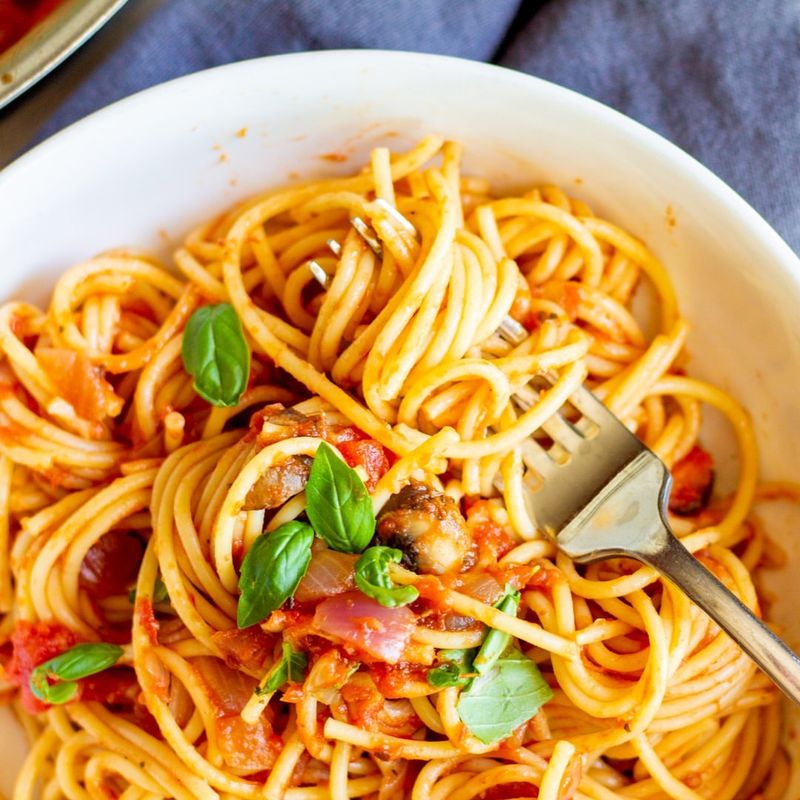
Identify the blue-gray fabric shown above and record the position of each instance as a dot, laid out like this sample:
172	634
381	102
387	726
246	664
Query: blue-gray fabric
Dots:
720	79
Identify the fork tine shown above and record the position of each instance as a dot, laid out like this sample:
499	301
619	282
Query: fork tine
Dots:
557	428
321	277
396	215
367	234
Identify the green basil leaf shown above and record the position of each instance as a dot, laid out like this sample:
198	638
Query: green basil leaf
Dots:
372	577
496	642
505	697
338	504
455	671
55	680
216	355
291	667
271	571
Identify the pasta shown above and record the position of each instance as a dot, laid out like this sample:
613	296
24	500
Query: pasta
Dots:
264	531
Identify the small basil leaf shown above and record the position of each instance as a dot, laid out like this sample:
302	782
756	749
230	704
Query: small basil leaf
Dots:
54	681
455	671
338	504
372	577
446	675
216	355
505	697
291	667
496	642
271	571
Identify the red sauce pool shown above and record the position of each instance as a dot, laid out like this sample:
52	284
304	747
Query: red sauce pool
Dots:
17	17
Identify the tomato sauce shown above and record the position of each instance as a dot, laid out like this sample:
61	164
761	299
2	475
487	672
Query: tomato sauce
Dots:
147	617
492	541
115	687
17	17
32	644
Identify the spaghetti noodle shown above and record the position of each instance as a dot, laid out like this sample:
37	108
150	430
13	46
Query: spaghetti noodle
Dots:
135	511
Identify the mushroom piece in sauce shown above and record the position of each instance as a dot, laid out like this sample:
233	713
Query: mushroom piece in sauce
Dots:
427	526
280	482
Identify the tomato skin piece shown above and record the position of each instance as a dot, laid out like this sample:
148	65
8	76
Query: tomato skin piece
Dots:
111	564
32	644
370	455
692	482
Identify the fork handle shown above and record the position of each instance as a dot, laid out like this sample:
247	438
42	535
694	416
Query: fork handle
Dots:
770	652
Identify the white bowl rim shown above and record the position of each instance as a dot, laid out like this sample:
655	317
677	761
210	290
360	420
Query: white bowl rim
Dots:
690	169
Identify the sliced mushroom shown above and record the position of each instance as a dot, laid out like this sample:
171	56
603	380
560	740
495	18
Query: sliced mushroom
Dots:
428	527
280	482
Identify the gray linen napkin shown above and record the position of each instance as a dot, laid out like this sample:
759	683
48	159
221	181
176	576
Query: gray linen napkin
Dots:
720	79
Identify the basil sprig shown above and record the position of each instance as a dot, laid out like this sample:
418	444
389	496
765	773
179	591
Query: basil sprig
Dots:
216	355
271	570
55	681
496	642
503	698
372	577
291	667
338	504
455	671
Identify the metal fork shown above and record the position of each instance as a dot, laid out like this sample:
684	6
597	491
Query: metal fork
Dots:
604	494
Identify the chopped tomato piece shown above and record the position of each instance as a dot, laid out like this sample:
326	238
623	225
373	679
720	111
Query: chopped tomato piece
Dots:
111	564
248	648
492	540
247	747
543	577
370	455
32	644
516	575
364	702
80	383
692	482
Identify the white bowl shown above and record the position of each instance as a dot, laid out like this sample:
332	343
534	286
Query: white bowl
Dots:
144	170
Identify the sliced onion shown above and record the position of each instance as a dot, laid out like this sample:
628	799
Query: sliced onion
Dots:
180	702
228	689
329	573
356	619
482	586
